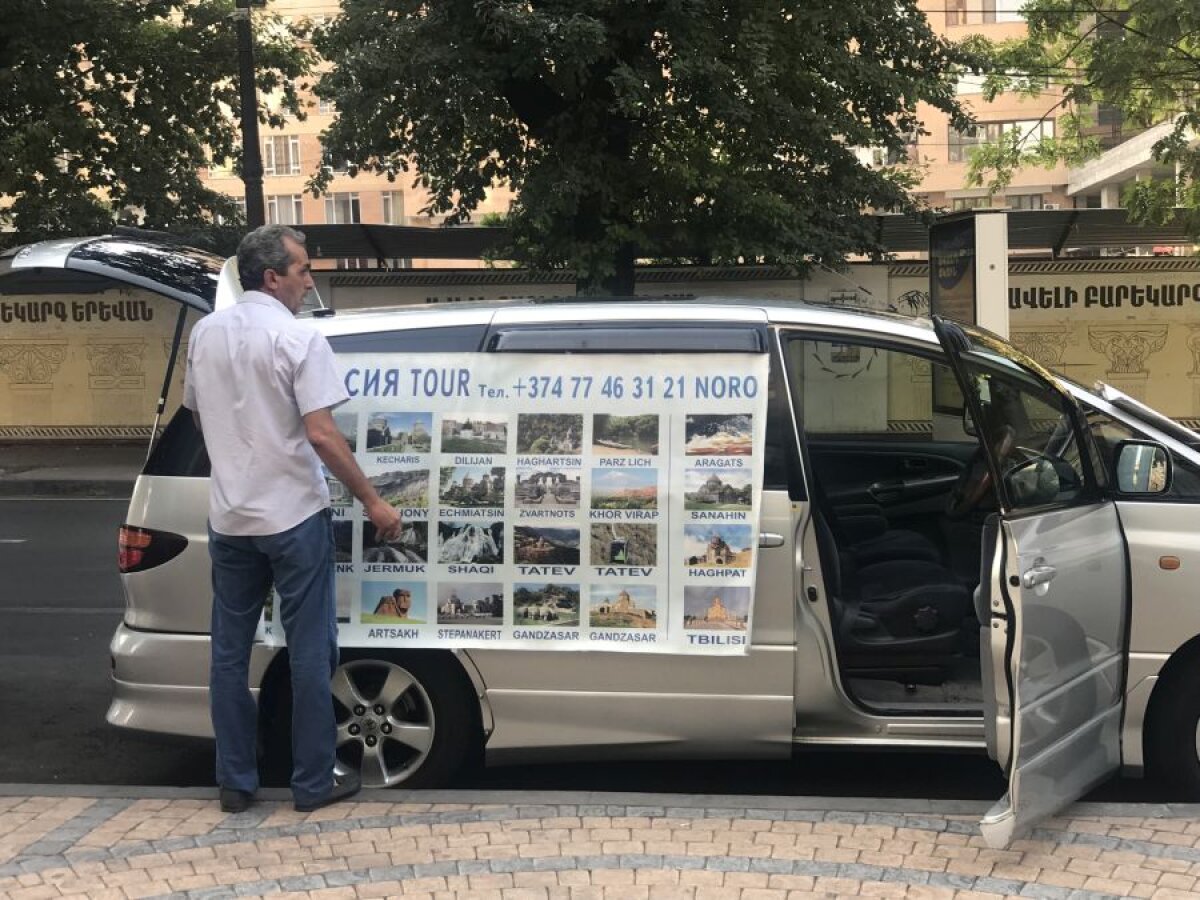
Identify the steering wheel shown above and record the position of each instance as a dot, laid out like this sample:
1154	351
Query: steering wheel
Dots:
975	482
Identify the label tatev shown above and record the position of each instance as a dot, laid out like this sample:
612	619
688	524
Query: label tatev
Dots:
552	501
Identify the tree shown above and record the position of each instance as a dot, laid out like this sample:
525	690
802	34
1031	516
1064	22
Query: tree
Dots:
1139	57
111	104
711	130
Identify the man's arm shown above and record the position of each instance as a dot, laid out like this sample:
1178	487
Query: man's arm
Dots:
333	450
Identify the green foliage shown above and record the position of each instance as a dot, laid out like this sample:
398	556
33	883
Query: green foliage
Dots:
713	130
1141	57
111	104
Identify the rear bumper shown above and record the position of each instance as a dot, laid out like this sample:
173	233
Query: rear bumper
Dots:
160	681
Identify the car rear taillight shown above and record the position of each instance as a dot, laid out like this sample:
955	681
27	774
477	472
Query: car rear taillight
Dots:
144	548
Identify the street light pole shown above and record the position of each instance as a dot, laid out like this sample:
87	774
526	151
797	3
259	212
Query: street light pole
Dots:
252	167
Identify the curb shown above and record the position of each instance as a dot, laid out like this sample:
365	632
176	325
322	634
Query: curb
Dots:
109	489
746	804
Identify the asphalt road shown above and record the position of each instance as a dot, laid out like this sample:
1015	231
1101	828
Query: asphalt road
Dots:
60	600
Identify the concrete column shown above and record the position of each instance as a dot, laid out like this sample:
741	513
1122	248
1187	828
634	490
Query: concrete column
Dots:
991	272
1110	196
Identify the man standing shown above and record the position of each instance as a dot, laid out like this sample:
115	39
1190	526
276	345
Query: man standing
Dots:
262	386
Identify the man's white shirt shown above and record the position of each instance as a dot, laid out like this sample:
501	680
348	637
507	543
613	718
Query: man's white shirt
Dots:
253	373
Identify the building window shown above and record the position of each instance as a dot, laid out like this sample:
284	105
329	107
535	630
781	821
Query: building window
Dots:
983	12
969	84
962	141
241	205
960	203
281	155
340	166
1008	10
1024	201
393	207
325	107
220	168
342	209
1030	131
285	209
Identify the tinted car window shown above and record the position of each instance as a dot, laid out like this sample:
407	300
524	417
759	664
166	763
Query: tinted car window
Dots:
1107	432
630	337
781	469
180	451
449	339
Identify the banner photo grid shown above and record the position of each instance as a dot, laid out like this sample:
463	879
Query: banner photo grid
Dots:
564	502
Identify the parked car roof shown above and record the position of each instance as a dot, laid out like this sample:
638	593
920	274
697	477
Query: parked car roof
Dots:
588	310
185	274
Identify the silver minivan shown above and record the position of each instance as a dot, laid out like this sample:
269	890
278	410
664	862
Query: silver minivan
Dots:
958	550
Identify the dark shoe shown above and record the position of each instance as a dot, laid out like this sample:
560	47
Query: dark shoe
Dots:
344	786
235	801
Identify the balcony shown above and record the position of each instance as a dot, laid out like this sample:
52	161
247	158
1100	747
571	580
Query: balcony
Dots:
1122	163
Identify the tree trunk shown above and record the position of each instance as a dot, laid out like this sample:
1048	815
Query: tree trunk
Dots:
619	284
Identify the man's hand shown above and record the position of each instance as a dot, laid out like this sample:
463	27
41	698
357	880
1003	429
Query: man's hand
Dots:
333	450
386	520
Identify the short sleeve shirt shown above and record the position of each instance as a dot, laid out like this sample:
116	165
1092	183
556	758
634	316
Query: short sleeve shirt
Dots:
253	372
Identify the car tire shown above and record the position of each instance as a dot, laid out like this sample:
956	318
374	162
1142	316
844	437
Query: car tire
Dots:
404	719
1174	734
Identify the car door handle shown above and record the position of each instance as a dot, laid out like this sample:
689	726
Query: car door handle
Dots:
769	539
883	491
1037	574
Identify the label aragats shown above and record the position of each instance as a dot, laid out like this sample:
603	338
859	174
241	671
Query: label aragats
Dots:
598	502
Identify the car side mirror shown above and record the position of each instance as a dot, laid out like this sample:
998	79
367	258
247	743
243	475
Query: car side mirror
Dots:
1143	467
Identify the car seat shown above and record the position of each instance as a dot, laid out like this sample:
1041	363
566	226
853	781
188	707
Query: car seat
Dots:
862	530
899	619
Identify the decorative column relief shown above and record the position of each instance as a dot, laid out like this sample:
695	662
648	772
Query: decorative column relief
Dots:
1046	345
31	365
1193	345
1127	349
117	365
920	370
910	394
117	379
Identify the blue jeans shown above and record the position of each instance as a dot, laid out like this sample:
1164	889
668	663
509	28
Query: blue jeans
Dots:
299	562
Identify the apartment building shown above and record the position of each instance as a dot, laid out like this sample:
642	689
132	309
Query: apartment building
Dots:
943	153
292	154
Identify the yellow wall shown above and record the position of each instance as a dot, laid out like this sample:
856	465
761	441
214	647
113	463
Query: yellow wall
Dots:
71	367
1097	320
85	365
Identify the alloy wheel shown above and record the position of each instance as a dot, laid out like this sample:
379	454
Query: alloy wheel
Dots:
385	721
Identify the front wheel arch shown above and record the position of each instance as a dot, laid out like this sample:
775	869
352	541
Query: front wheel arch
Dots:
441	679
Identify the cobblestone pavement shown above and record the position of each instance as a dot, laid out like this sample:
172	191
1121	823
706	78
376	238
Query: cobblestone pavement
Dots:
127	843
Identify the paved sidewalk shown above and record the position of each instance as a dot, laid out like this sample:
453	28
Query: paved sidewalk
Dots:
55	469
122	842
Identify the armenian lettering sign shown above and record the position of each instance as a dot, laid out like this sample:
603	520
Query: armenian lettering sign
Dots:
590	502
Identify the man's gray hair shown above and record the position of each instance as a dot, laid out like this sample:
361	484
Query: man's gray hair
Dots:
262	249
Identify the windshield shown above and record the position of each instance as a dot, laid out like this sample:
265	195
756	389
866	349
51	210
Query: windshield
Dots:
1135	409
1147	414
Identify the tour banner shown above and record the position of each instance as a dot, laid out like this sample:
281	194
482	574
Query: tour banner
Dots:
588	502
